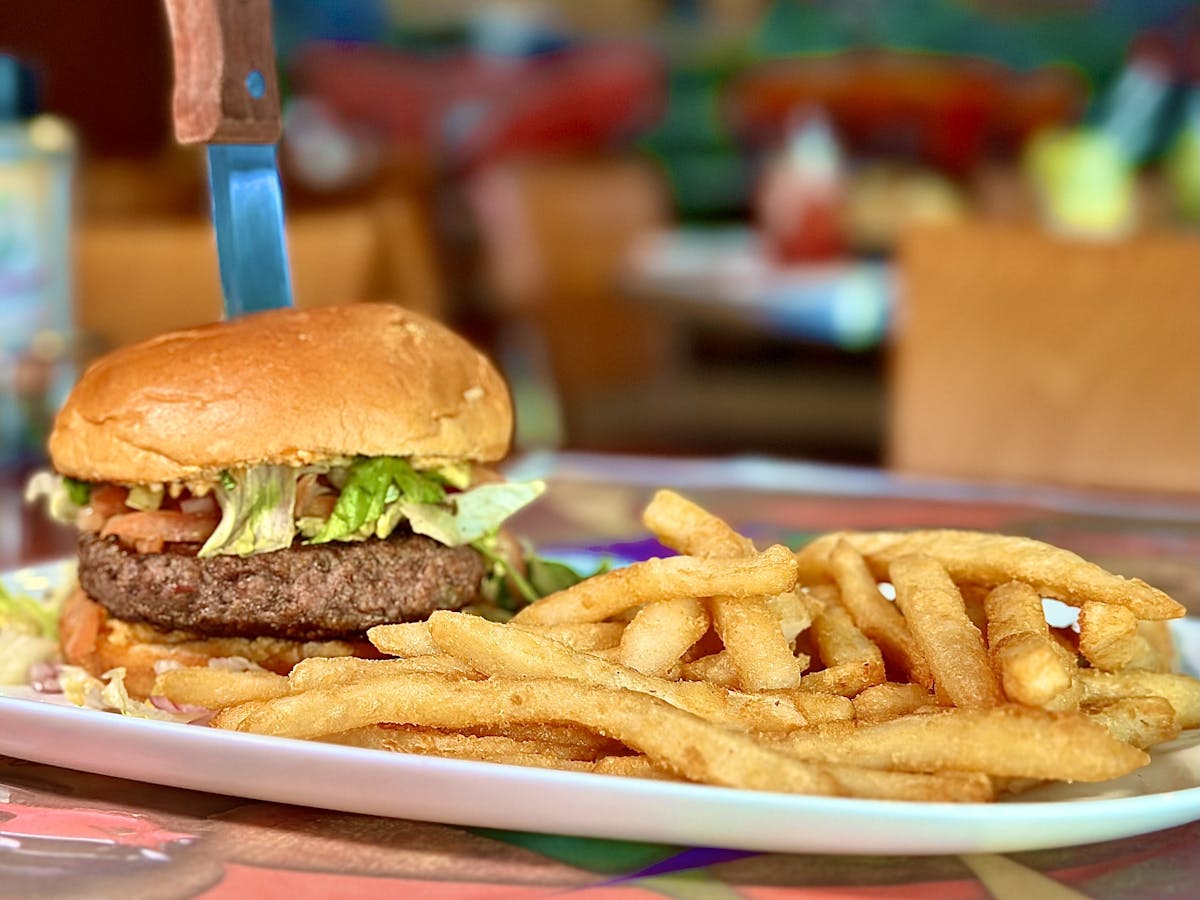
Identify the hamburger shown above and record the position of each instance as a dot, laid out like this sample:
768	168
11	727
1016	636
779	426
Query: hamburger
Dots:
270	487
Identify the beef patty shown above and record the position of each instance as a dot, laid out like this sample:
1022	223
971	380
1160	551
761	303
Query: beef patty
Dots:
307	592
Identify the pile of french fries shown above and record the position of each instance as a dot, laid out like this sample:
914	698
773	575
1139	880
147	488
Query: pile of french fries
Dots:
769	670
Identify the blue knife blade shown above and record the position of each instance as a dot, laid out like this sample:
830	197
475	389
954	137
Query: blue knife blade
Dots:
247	212
226	96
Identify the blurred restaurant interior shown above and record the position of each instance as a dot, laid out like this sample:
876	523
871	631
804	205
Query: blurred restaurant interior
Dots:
948	237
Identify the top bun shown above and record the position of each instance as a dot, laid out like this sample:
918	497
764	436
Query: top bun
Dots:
289	387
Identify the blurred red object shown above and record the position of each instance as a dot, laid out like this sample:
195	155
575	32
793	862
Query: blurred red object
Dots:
466	110
800	198
944	111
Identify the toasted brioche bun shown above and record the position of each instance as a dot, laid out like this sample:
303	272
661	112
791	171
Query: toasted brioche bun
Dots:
288	386
89	637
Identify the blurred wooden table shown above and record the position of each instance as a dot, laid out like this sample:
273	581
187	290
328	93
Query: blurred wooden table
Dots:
70	834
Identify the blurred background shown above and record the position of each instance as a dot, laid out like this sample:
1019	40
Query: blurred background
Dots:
947	237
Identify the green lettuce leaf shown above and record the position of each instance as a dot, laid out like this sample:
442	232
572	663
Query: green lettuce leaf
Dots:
23	613
20	652
371	487
256	515
473	514
28	633
64	496
508	588
80	492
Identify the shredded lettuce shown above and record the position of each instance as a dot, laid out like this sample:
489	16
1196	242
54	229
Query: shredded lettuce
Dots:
371	487
377	494
28	634
108	692
20	652
80	492
64	496
27	614
508	588
256	515
145	497
457	475
473	514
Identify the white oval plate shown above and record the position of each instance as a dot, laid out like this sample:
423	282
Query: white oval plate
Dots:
46	729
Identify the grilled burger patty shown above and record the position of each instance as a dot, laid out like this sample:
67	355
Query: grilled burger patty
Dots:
307	592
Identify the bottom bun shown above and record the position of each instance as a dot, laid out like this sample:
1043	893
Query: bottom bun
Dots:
96	641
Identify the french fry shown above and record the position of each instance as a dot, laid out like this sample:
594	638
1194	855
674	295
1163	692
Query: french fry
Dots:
411	639
1008	741
562	738
498	650
589	636
602	596
486	748
688	528
1138	721
795	613
1159	653
991	560
1108	636
320	671
216	688
876	617
891	700
1030	665
1182	691
819	707
715	668
933	787
631	766
952	645
672	738
852	661
660	634
690	667
754	640
427	742
406	639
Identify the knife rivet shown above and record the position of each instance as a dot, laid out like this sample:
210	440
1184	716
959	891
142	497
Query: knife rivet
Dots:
256	84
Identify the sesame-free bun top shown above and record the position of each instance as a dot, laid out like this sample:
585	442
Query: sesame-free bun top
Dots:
289	387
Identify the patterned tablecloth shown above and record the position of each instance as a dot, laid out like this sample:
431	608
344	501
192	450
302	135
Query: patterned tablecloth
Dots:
68	834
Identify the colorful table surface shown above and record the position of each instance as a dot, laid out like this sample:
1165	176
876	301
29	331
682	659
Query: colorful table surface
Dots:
70	834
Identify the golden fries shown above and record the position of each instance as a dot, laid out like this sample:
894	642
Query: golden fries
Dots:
213	688
598	598
852	662
1108	636
767	671
891	700
1182	691
672	738
683	526
990	560
754	640
1140	722
1033	669
498	650
938	619
322	671
661	633
1012	741
877	618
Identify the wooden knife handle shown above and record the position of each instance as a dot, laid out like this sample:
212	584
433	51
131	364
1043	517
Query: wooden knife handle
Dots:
226	90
